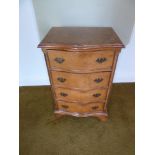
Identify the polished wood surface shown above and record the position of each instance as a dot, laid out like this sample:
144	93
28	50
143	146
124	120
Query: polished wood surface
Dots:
83	82
81	61
74	107
97	95
81	64
81	37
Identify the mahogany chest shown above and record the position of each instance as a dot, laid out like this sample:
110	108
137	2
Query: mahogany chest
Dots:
81	62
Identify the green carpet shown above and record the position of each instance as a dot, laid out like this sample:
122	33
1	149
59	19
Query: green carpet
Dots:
39	135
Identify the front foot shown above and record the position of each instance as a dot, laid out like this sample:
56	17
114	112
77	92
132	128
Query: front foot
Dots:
102	118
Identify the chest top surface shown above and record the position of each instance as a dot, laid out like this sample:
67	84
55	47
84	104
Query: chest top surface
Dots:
81	37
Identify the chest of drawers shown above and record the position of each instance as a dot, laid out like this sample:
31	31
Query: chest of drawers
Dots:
81	62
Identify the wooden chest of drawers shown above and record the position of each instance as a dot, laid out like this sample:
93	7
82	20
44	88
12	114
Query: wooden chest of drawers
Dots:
81	62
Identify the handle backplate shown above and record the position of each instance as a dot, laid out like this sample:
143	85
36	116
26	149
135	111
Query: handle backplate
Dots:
61	79
101	60
59	60
98	80
95	107
97	95
65	106
63	94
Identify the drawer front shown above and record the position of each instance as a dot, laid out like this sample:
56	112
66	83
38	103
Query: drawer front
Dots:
97	95
73	107
81	61
81	81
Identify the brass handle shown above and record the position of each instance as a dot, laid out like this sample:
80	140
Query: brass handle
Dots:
61	79
98	80
63	94
95	107
65	106
59	60
101	60
96	95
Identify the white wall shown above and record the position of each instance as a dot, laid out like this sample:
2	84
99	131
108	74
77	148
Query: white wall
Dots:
32	69
118	14
125	69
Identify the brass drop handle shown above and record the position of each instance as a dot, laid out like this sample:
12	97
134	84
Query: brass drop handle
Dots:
97	95
98	80
65	106
59	60
61	79
95	107
101	60
63	94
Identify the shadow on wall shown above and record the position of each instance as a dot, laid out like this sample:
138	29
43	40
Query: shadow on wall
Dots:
117	14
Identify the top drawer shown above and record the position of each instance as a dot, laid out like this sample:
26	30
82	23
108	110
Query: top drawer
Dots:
81	61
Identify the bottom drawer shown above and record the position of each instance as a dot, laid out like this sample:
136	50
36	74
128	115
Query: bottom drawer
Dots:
75	107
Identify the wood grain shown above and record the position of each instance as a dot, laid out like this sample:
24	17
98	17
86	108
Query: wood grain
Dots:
97	95
81	62
81	82
81	38
74	107
111	79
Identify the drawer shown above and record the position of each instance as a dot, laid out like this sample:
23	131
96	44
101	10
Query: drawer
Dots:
81	81
73	107
97	95
81	61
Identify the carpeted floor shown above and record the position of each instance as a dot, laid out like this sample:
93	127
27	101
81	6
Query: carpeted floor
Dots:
76	136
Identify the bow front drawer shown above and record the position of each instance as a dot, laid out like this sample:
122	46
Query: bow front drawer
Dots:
84	81
73	107
79	96
81	61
